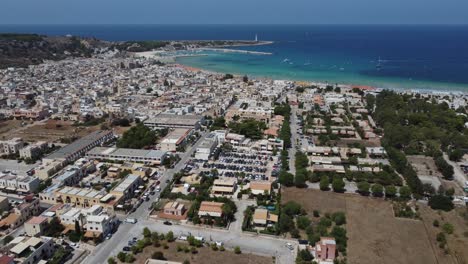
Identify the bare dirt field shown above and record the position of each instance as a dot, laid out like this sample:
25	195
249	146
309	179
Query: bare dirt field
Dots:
424	166
205	255
7	126
428	173
52	131
367	143
375	235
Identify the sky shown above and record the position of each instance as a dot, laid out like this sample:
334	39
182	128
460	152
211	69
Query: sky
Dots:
234	12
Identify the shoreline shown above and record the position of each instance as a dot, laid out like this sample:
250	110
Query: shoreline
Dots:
318	82
173	59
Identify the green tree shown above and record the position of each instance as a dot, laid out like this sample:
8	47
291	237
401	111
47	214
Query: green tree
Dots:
121	256
324	183
77	228
129	258
377	190
137	137
390	191
300	179
111	260
339	218
441	202
405	192
146	232
285	223
170	236
303	222
363	188
286	178
338	184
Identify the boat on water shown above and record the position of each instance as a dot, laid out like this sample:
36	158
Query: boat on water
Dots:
379	64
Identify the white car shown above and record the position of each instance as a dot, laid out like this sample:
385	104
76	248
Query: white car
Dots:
289	246
219	243
130	220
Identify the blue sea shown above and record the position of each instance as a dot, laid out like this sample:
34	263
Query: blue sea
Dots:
387	56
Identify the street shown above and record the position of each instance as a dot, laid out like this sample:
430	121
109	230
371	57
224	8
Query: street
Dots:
294	137
111	247
249	243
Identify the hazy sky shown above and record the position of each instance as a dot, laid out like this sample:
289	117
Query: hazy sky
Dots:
234	12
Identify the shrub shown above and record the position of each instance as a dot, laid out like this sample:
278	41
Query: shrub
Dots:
324	183
435	223
121	256
339	218
448	228
129	258
194	250
316	213
441	202
158	255
237	250
303	222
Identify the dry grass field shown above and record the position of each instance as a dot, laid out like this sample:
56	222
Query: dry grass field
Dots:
205	255
376	236
51	130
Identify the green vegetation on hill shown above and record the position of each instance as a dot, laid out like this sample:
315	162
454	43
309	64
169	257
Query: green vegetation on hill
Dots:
137	137
20	37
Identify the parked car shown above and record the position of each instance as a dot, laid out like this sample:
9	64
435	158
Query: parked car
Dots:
126	249
167	223
130	220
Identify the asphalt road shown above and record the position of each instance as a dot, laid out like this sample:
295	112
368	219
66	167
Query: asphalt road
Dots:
294	137
119	239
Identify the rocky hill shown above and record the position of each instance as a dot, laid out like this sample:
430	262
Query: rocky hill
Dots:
21	50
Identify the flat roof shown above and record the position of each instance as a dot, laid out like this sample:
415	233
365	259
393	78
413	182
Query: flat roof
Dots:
172	119
78	144
126	152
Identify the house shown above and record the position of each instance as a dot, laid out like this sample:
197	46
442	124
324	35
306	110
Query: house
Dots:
33	151
206	147
212	209
11	182
30	250
5	259
324	250
75	150
174	208
4	205
126	189
150	156
260	187
35	226
175	139
12	146
174	121
98	225
263	217
224	187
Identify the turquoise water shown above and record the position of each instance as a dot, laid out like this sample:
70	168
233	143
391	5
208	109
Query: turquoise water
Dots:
315	67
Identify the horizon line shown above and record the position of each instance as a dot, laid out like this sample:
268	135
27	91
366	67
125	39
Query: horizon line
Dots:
234	24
